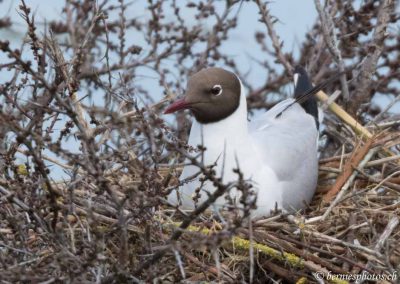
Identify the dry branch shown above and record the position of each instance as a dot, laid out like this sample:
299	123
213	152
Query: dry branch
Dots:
331	40
78	100
276	42
349	169
375	48
343	115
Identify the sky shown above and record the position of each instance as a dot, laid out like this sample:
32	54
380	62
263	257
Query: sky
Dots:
292	25
295	20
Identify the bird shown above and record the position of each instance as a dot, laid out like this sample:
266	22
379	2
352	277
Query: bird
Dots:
277	152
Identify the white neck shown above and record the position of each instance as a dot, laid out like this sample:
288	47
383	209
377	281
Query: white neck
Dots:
219	134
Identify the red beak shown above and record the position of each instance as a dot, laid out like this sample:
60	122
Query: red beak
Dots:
177	105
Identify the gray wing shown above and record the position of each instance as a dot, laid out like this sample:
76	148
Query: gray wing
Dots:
288	144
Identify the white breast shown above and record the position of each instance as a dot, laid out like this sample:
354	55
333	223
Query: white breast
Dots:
278	155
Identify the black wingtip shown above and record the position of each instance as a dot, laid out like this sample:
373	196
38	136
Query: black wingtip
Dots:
302	81
302	86
298	69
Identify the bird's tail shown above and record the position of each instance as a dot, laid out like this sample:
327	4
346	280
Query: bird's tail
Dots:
304	92
302	85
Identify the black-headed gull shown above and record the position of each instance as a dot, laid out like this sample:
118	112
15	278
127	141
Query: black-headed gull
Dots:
276	152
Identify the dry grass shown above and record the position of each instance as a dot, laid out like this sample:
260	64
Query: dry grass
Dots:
358	230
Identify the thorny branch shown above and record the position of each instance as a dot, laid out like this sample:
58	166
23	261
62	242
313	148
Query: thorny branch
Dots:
87	161
332	43
368	65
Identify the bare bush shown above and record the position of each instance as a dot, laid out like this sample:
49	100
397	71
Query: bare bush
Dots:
74	101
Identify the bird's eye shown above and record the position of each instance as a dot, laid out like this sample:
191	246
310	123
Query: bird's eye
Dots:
216	90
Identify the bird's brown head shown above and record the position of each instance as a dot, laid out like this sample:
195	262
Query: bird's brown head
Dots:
212	94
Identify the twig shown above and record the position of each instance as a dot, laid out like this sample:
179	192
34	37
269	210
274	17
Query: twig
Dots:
225	275
290	258
280	271
343	189
287	244
362	81
276	43
328	30
324	263
392	224
382	161
348	183
282	256
381	114
349	174
385	180
54	161
220	190
23	206
344	116
344	243
331	99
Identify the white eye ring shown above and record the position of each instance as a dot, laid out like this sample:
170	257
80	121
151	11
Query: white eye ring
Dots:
216	90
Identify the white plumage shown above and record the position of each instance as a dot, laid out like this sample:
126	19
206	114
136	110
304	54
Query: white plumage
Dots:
277	154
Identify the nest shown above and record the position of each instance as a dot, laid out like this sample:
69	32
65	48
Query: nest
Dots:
349	232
